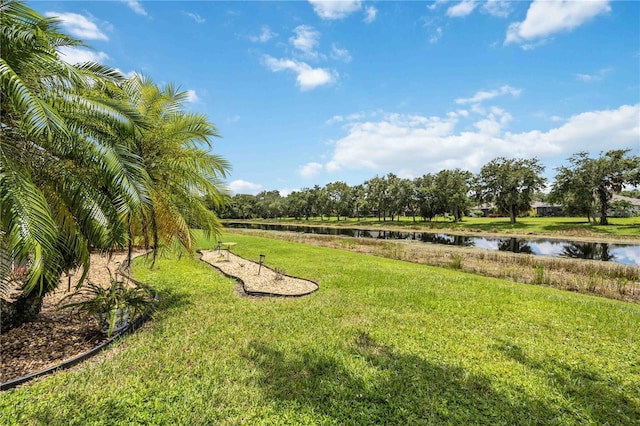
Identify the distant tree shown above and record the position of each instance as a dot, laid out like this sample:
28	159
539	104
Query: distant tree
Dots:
309	205
360	204
453	191
510	184
613	171
412	198
295	204
621	208
392	197
376	189
267	206
278	208
401	191
426	194
573	186
589	184
631	193
242	206
338	199
320	201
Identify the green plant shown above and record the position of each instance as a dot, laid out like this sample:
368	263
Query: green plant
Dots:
539	275
114	305
280	273
456	262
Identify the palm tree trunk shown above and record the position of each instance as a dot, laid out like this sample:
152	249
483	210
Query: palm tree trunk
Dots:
154	230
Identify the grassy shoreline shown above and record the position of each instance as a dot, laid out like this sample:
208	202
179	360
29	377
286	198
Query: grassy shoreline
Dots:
382	342
624	230
606	279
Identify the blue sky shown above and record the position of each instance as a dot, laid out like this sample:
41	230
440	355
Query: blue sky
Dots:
307	93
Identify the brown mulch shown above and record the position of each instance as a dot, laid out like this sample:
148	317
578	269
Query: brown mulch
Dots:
57	334
61	334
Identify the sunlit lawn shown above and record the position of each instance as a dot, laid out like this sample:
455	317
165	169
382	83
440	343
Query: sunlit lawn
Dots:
381	342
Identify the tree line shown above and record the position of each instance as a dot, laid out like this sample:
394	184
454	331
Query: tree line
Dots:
584	187
89	160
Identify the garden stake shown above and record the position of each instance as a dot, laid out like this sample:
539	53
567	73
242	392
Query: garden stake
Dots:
260	263
69	275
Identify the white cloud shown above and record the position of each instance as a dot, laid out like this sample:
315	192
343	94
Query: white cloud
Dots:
462	9
335	119
497	8
192	97
414	145
547	17
305	40
370	14
78	55
340	54
233	120
126	74
243	187
437	34
594	77
79	26
310	170
135	6
349	118
307	77
333	9
435	4
265	35
284	192
485	95
199	19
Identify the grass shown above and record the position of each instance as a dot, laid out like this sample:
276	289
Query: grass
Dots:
557	226
382	342
607	279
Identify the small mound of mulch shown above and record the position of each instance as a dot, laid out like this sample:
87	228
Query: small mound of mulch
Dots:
56	334
258	280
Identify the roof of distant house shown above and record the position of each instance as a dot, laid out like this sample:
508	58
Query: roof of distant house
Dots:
633	201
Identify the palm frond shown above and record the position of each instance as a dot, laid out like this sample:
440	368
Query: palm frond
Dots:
38	115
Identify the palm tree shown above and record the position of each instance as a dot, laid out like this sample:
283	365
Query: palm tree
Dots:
185	178
65	182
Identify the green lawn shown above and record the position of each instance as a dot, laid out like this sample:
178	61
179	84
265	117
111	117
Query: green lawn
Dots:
381	342
567	226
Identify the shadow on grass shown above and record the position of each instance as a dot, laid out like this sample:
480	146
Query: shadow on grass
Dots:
597	397
372	384
172	301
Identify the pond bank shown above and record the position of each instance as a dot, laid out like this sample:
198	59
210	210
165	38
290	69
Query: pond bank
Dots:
611	280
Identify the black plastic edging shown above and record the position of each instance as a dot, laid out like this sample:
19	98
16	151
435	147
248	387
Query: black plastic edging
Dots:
133	326
261	293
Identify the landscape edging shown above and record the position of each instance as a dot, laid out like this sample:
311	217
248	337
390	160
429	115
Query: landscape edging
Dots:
133	326
261	293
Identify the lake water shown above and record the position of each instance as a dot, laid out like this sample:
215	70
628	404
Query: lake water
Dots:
627	254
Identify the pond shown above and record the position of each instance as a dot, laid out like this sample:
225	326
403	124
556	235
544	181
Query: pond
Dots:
627	254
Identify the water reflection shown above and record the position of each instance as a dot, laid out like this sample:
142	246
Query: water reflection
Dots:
588	251
619	253
515	245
